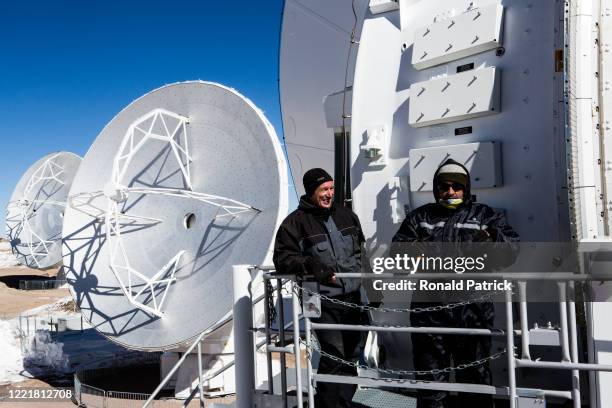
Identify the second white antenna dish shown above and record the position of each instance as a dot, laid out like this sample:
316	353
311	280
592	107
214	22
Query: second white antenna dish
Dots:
35	212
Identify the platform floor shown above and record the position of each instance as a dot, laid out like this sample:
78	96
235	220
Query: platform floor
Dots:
373	398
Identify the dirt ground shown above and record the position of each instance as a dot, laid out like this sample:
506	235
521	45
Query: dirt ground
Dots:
14	301
4	391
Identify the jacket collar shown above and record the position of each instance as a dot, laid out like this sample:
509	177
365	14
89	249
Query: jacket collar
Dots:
307	206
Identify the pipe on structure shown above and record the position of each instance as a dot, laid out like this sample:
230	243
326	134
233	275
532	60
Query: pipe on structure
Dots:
524	322
574	348
244	355
296	346
510	352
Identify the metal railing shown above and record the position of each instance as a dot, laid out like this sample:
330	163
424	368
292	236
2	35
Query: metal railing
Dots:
567	331
201	378
90	396
41	284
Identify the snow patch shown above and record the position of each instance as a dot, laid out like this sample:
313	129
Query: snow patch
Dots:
7	259
11	359
44	355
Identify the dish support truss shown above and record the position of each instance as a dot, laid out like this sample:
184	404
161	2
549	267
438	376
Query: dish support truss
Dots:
19	222
136	286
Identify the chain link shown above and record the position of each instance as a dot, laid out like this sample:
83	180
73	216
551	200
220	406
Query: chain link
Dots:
367	308
270	300
434	371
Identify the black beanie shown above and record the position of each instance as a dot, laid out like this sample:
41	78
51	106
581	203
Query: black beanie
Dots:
313	178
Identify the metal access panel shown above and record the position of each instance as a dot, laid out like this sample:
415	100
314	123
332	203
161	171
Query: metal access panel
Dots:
462	96
477	30
483	160
526	402
382	6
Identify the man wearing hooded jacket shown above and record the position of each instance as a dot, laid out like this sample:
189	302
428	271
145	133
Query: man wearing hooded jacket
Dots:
454	217
322	239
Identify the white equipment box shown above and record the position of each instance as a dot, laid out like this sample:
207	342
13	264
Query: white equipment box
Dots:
470	33
467	95
483	160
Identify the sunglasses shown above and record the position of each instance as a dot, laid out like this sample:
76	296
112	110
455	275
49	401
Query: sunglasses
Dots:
445	186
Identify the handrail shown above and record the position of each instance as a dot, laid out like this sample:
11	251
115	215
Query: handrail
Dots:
195	344
184	357
513	276
567	334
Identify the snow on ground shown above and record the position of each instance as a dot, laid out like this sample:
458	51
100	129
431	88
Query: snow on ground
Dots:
7	259
11	359
55	354
42	353
45	355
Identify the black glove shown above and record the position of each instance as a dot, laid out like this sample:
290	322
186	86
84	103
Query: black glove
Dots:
321	271
482	236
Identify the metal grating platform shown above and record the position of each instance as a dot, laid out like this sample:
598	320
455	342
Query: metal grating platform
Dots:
373	398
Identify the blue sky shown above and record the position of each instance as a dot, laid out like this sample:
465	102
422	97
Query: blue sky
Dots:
67	67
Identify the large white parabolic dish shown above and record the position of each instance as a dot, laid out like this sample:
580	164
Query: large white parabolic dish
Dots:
185	182
35	211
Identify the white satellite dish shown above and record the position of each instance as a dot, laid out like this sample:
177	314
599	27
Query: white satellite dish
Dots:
185	182
35	211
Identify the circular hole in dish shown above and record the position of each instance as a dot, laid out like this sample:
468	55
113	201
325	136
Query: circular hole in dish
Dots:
189	220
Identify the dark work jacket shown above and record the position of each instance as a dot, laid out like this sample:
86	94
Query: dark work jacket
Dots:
305	245
466	223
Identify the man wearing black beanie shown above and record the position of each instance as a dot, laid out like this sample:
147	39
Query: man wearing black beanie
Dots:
321	239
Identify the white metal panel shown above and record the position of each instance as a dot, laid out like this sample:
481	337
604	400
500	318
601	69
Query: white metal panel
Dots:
462	96
382	6
526	126
375	148
481	159
475	31
605	30
533	156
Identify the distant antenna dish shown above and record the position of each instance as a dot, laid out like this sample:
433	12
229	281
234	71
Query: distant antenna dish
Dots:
34	214
182	184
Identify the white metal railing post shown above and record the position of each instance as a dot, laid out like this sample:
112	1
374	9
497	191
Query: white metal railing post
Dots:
563	334
281	332
200	385
244	354
267	323
574	346
296	344
308	329
524	321
510	351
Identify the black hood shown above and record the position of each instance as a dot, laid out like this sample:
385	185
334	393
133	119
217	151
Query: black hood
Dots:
467	194
307	205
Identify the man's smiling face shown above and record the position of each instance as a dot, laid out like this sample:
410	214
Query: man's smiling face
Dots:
323	196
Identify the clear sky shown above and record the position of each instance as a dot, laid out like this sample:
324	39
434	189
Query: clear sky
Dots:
67	67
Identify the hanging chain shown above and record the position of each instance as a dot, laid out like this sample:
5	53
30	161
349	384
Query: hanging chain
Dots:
270	300
312	348
368	308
